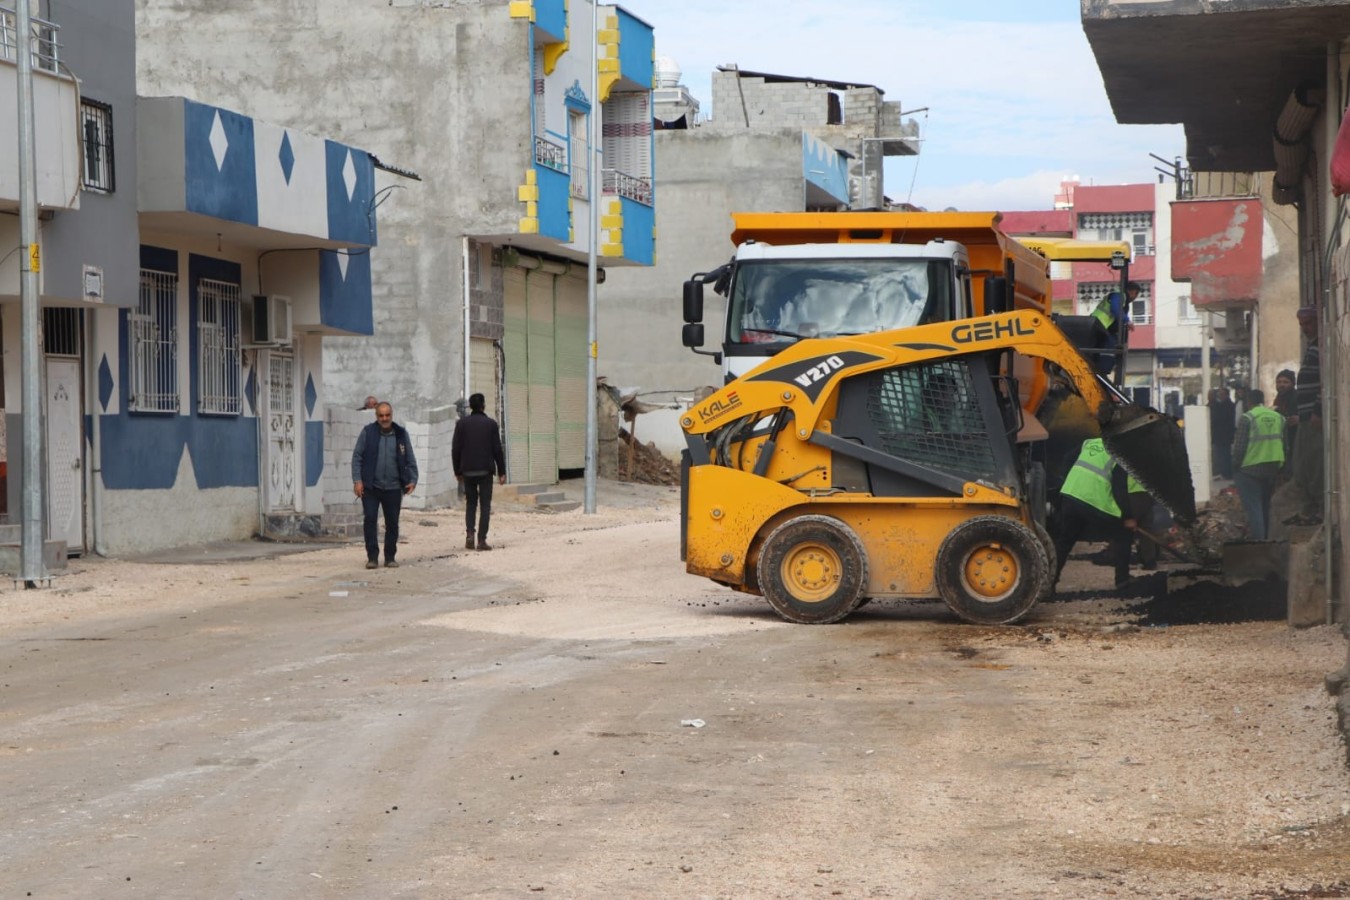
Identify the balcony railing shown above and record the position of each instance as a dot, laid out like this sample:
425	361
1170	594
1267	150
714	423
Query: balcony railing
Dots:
547	153
43	46
630	186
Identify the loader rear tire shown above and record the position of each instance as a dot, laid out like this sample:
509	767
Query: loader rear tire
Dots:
813	570
991	570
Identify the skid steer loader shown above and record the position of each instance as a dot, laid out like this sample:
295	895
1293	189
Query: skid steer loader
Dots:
900	464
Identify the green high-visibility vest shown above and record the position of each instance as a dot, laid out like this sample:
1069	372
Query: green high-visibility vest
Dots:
1133	486
1090	478
1102	313
1265	437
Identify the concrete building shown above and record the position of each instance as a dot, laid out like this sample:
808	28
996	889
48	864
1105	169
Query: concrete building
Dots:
478	114
776	143
192	261
1259	86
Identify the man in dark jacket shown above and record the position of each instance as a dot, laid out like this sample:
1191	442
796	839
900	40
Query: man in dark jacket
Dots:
476	455
383	470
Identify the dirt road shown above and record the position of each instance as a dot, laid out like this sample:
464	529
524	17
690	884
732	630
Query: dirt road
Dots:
571	715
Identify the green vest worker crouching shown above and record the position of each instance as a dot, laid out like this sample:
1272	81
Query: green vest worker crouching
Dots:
1090	503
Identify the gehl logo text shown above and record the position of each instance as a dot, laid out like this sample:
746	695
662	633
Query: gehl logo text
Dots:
989	331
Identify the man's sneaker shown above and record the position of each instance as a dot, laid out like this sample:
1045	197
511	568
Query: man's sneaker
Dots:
372	564
468	542
484	545
391	564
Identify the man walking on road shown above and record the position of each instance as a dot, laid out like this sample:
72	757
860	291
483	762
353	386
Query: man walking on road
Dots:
383	470
476	454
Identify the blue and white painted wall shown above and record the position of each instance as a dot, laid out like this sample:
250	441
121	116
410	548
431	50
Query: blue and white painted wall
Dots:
199	425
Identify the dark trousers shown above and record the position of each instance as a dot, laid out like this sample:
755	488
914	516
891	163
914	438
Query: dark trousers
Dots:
477	490
1222	458
1141	510
1078	521
372	501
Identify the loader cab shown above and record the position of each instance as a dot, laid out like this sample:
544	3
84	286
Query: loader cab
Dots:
777	296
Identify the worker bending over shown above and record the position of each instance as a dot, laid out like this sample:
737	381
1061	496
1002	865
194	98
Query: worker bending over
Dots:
1090	503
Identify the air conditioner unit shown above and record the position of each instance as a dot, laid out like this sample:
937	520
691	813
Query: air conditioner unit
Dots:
269	321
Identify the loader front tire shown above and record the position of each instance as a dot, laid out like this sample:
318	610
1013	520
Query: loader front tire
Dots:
813	570
991	570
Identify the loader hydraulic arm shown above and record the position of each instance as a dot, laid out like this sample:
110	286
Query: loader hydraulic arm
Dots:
804	377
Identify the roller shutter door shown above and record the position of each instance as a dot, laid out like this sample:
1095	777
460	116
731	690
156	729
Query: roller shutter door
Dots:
531	417
571	357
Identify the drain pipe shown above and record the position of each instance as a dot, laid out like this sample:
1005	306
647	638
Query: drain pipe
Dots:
95	446
468	319
1328	332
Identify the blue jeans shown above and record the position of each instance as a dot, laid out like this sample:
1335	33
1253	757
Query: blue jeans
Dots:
372	501
1255	496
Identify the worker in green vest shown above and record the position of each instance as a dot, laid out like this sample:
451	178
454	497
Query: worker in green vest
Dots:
1258	451
1141	510
1090	504
1113	314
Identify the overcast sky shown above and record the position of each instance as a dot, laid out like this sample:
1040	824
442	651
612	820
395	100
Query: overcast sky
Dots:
1015	101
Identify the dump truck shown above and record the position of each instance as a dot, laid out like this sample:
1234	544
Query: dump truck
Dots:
898	464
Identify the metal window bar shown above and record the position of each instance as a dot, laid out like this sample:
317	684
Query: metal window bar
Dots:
281	399
152	344
61	331
547	153
96	123
45	50
218	375
625	185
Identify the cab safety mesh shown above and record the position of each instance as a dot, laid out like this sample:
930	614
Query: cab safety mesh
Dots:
930	415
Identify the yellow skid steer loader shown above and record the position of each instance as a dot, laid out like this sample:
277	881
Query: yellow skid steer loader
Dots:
901	464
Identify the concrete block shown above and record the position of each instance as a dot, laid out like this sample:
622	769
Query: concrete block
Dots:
53	557
1307	596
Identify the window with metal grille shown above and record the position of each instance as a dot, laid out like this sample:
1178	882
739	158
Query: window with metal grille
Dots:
929	415
96	125
218	375
61	331
152	345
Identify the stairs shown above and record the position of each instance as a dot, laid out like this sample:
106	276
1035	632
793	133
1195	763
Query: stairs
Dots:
11	551
543	497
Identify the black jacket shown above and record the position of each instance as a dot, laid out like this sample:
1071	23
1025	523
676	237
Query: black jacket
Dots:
477	446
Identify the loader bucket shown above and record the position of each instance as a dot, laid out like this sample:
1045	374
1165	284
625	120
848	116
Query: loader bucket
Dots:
1152	448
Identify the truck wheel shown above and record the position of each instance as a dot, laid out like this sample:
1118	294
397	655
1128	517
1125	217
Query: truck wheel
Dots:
813	570
991	570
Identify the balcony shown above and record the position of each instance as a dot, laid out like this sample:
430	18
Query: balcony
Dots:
56	117
622	184
548	153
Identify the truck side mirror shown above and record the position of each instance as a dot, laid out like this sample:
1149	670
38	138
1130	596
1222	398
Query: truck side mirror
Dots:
997	295
693	308
692	334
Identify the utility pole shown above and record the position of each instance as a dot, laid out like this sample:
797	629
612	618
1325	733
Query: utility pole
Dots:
593	235
32	571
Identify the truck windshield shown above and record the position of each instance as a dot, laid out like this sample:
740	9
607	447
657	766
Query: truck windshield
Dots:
773	301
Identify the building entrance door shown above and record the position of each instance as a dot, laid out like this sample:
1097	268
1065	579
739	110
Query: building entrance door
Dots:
281	465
